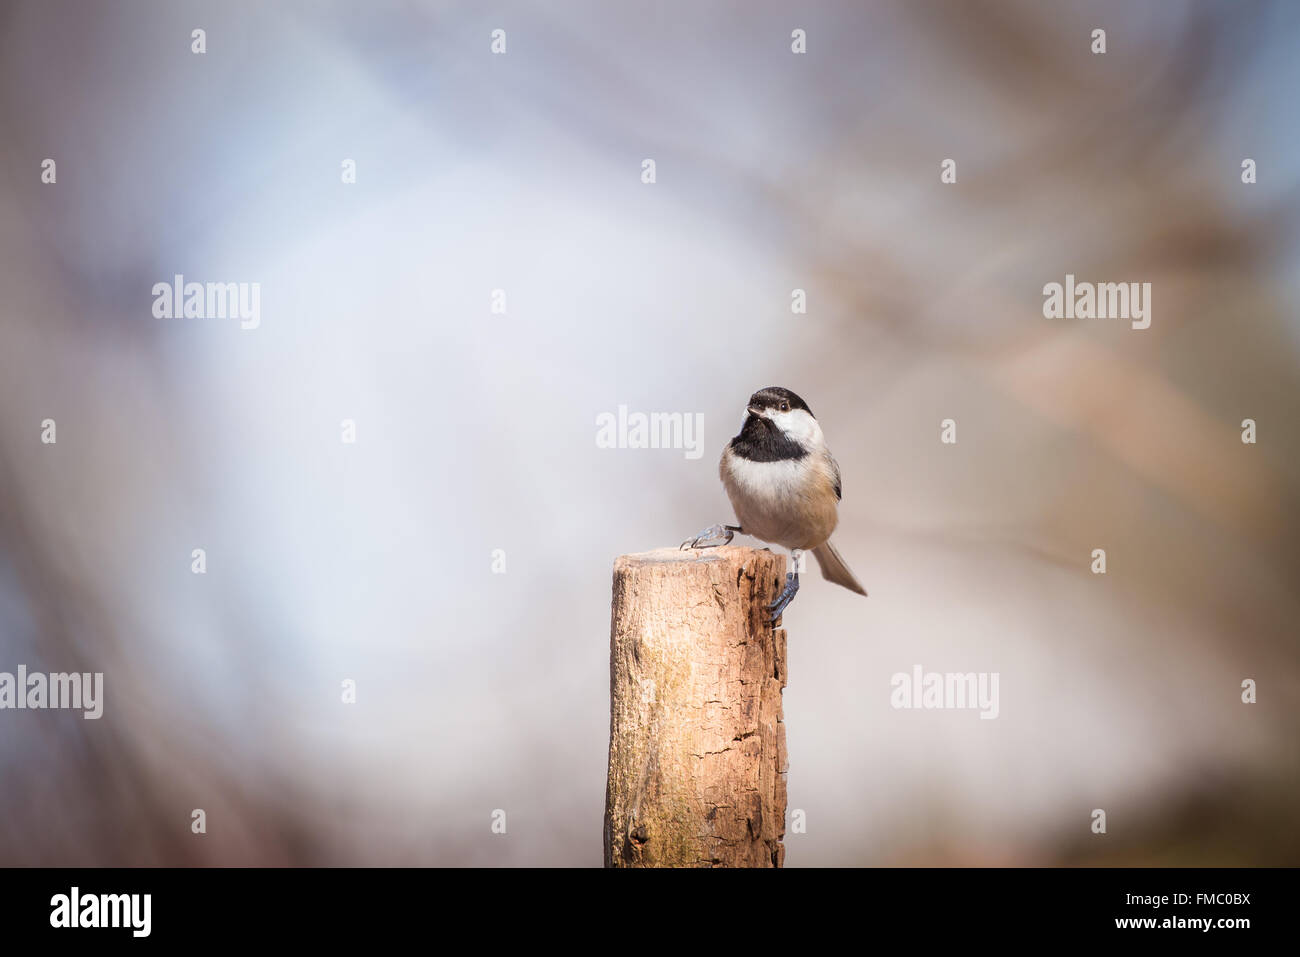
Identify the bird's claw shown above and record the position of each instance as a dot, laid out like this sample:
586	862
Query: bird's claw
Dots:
783	600
712	537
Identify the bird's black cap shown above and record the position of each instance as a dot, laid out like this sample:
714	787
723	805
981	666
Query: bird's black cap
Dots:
774	395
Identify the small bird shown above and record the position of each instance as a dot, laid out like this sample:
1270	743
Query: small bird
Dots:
785	487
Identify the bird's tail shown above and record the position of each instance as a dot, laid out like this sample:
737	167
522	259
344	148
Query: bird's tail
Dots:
834	569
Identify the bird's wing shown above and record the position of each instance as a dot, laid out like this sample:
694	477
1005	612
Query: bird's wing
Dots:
835	474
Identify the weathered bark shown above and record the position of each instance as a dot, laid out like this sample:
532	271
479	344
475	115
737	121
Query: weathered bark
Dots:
697	760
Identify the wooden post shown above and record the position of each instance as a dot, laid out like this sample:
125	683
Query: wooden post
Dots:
697	758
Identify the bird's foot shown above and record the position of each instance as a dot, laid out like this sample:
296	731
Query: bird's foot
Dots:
712	537
787	595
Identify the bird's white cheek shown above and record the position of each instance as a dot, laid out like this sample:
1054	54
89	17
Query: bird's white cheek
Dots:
799	425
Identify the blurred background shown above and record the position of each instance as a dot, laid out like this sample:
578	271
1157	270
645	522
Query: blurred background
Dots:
373	561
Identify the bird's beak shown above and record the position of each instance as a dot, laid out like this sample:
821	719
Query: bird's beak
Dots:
755	410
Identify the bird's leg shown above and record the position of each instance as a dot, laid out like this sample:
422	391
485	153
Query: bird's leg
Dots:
790	590
712	537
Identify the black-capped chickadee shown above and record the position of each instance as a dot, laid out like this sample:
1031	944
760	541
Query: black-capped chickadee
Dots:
785	487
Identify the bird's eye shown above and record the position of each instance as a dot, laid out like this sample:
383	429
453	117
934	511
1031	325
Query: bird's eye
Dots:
785	406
